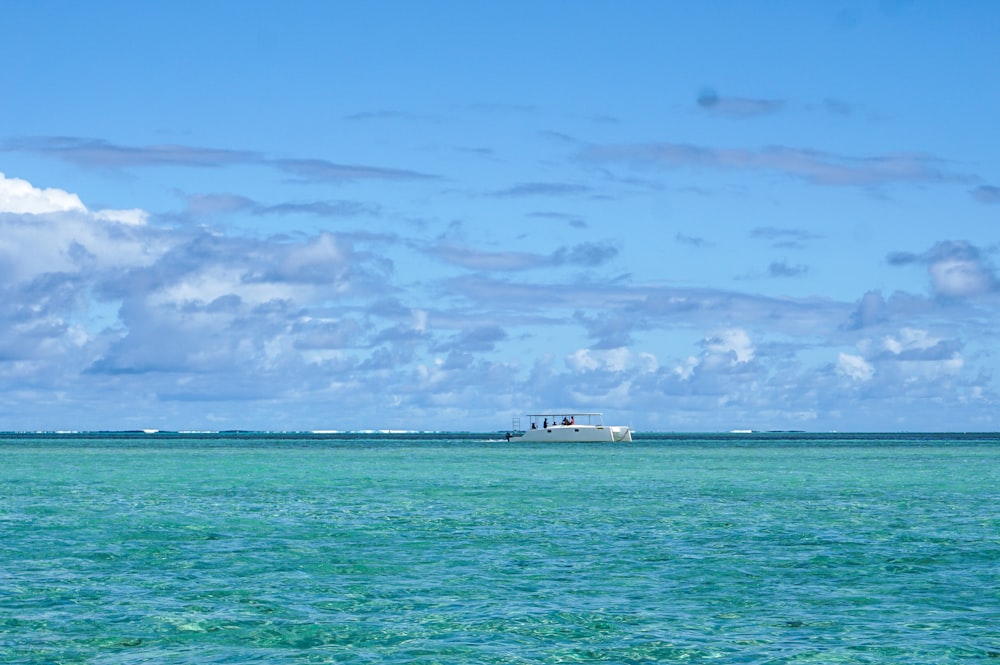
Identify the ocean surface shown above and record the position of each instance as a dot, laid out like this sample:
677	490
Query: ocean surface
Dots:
461	548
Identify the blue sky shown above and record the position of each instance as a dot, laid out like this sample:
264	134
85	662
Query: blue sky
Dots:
441	215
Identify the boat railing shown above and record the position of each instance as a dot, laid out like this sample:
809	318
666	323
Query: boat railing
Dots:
555	419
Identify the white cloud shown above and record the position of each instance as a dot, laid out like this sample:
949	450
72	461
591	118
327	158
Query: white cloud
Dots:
620	359
957	269
419	320
20	197
49	231
73	241
734	343
133	217
306	319
960	277
648	362
722	351
919	355
211	283
686	369
909	339
855	367
583	360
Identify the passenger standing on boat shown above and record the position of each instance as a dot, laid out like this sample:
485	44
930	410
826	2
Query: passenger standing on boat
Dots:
545	423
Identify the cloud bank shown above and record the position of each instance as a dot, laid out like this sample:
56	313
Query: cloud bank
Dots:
193	328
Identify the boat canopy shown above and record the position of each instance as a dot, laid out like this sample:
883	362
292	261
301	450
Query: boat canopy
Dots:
561	413
577	417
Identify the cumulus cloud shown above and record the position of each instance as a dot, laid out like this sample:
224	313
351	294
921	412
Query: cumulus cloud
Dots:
725	348
906	363
855	367
48	230
18	196
101	293
914	344
960	278
133	216
620	359
913	357
871	311
103	305
957	269
240	307
733	344
54	254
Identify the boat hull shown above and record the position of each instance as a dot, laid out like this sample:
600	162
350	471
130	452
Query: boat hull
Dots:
576	434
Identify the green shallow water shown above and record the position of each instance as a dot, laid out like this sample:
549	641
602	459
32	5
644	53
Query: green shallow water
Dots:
456	549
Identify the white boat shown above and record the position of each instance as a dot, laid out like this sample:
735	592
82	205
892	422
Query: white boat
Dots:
564	427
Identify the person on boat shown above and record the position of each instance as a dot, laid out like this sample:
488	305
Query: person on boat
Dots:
545	423
572	419
534	425
565	420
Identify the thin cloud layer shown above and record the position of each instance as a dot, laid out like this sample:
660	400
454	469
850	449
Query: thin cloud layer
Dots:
813	166
583	254
543	189
987	194
94	153
321	170
201	206
737	107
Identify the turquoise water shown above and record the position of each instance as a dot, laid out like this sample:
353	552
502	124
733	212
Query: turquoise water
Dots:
242	548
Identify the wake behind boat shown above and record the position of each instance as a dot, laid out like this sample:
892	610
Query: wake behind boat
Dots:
568	428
